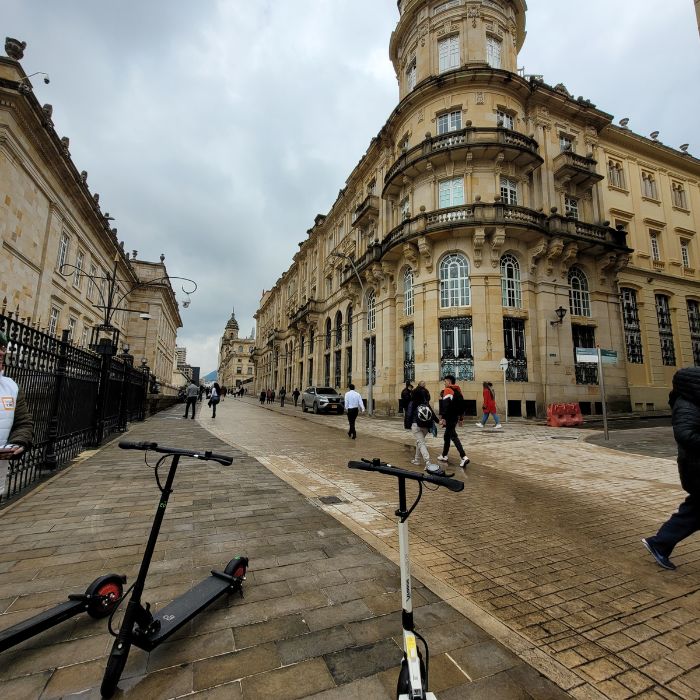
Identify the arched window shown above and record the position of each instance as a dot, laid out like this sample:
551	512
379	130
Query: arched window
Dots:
338	328
408	292
371	310
511	293
348	320
328	334
454	281
579	296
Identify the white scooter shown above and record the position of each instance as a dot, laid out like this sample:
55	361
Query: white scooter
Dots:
413	678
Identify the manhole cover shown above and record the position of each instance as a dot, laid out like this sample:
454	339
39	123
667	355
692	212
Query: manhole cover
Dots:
330	500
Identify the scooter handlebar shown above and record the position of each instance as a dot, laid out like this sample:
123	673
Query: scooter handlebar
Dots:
155	447
377	465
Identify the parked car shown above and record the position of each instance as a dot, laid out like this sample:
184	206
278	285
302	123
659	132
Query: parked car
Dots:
322	399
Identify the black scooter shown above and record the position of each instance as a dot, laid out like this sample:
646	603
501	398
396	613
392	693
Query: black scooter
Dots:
98	601
140	627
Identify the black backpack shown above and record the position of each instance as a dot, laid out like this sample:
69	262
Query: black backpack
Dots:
424	416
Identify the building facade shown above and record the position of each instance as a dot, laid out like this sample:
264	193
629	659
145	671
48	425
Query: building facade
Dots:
59	250
494	216
236	363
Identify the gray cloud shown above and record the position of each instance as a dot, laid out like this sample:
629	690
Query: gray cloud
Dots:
215	132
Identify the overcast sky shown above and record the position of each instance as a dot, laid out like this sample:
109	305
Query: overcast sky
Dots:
215	131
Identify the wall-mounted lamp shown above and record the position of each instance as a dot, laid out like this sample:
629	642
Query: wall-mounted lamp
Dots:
560	312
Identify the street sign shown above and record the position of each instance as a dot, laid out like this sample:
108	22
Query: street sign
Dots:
589	355
609	357
503	365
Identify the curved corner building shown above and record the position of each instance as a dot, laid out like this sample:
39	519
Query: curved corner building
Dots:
493	217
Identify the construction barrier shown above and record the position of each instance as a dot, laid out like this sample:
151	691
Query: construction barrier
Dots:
564	415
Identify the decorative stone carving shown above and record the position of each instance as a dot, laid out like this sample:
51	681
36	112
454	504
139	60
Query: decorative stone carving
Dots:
554	251
478	244
84	175
14	48
47	109
96	197
536	253
473	13
497	241
388	282
425	248
65	143
410	253
479	98
568	257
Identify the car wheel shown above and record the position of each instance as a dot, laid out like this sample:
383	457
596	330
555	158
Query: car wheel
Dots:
303	407
315	407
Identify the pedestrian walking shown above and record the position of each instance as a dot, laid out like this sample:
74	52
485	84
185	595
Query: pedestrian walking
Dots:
263	396
489	407
214	398
16	426
405	397
283	393
268	396
685	419
191	395
272	396
201	392
353	405
420	419
451	415
295	395
224	391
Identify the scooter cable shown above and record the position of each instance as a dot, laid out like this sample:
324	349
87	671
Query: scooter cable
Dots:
427	657
114	610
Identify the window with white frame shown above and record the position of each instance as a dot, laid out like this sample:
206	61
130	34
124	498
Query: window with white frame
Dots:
449	121
329	286
678	195
371	310
654	245
405	208
451	192
504	119
616	175
448	53
91	283
511	291
62	250
571	207
579	296
53	320
454	281
685	252
408	292
566	142
649	185
77	274
509	190
493	51
84	336
411	75
72	324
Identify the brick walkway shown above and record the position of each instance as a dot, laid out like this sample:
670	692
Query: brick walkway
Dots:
544	541
320	615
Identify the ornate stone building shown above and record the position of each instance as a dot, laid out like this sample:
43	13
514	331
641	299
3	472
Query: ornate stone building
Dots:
493	216
236	365
49	219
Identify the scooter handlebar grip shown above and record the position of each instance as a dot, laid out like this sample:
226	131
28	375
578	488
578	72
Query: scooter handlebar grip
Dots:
446	481
362	465
221	459
128	445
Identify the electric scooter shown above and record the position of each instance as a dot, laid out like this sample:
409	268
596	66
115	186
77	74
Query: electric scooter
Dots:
98	601
413	677
142	628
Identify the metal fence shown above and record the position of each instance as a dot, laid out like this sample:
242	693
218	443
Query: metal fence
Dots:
72	405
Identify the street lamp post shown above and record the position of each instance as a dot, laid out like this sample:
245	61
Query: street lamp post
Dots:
370	380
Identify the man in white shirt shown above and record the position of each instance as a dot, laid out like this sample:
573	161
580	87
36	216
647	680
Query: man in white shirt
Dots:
353	405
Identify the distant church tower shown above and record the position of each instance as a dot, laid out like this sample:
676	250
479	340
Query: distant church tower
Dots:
235	358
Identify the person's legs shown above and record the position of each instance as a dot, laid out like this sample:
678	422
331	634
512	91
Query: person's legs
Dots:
194	403
447	437
457	442
497	419
352	417
683	523
421	448
483	420
213	408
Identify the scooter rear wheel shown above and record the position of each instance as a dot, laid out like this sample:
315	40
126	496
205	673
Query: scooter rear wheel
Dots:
237	567
114	669
104	593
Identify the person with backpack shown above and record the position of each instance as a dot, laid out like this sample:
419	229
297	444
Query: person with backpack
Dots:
420	420
489	407
452	414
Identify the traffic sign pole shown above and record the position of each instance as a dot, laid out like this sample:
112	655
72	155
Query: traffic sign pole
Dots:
504	366
602	394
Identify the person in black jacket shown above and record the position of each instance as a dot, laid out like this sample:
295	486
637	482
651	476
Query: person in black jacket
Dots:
685	405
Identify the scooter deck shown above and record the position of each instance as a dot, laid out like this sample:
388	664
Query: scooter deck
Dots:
181	610
43	621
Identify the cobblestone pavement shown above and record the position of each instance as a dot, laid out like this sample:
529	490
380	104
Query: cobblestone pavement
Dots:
544	541
321	613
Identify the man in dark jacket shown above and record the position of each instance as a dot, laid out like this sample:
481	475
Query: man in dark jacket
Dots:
16	427
685	404
451	414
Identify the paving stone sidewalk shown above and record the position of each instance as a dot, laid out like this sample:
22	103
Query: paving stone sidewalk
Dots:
320	617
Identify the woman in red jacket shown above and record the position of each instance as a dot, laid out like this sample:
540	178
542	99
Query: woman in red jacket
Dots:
489	407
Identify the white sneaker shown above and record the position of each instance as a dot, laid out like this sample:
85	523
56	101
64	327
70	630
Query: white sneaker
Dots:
479	424
464	461
417	462
498	427
442	459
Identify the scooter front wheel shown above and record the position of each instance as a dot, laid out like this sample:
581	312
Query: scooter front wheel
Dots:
115	667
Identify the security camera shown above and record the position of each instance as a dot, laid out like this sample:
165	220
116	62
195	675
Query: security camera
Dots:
46	79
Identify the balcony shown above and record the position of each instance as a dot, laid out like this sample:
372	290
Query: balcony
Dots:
304	314
576	170
367	212
482	143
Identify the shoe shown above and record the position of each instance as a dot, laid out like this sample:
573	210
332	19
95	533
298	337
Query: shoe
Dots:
442	459
464	461
435	470
498	427
479	424
661	559
417	462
